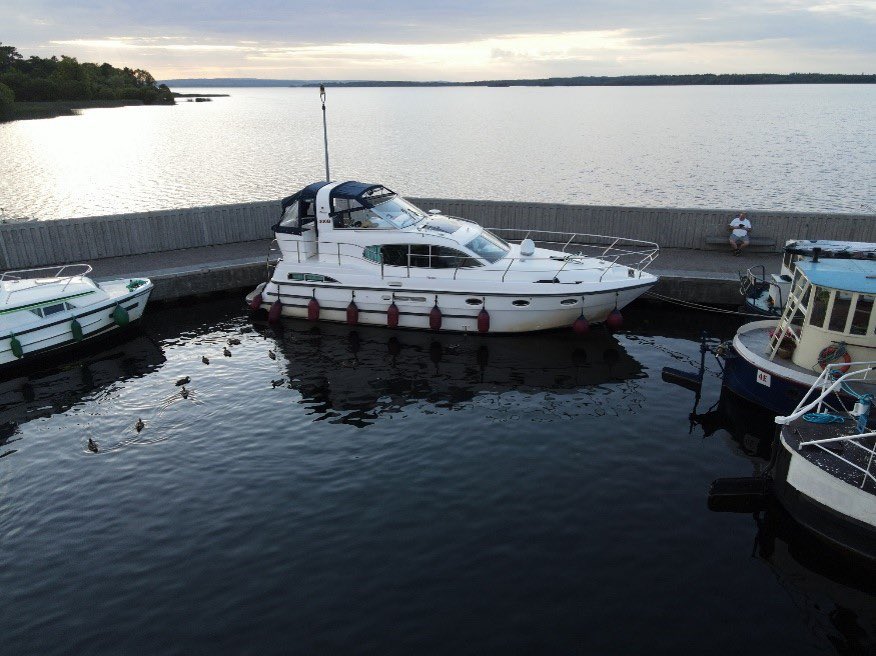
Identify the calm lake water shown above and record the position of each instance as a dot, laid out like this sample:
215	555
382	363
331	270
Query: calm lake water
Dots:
800	148
395	492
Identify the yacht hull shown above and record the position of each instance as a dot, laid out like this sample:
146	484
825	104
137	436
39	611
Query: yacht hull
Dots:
56	337
508	313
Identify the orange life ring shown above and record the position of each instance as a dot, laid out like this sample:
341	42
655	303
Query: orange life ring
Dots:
827	356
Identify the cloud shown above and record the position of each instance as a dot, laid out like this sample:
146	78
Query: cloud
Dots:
455	39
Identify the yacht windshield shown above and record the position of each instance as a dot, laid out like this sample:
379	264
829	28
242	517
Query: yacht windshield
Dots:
398	211
489	246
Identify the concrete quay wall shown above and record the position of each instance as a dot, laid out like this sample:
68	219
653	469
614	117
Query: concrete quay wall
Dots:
44	243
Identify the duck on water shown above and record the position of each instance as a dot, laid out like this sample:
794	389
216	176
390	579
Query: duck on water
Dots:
360	253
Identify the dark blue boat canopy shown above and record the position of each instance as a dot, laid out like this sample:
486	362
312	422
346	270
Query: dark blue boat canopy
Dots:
360	191
308	193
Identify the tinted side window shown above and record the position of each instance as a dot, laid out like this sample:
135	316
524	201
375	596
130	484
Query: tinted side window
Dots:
444	257
395	254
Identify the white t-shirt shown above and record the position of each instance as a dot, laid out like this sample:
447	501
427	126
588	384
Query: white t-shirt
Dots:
740	227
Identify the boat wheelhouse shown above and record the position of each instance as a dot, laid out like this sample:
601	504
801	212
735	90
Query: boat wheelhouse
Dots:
49	309
827	319
766	294
360	253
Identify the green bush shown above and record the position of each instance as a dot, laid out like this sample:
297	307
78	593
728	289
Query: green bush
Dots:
7	97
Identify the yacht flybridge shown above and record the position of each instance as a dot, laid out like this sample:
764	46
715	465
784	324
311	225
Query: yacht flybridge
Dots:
360	253
46	310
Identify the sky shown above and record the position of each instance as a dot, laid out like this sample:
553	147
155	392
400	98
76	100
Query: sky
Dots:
459	40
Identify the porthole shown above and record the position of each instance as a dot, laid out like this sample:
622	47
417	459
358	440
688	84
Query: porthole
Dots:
473	301
520	303
569	301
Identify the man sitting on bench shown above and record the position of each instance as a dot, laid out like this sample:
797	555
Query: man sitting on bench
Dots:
739	228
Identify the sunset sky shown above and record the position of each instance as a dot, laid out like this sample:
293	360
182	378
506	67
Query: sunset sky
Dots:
456	40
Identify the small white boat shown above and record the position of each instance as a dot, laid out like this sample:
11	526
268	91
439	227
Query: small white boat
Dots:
360	253
825	471
49	309
767	294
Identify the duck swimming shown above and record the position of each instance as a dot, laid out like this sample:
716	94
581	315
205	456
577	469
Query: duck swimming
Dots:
139	425
92	446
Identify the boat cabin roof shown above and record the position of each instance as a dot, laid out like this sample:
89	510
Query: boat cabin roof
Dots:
848	275
832	248
362	192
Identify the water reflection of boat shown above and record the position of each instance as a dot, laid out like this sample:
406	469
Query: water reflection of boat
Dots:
54	390
371	370
834	597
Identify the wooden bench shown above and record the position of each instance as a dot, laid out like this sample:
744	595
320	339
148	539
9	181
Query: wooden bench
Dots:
754	242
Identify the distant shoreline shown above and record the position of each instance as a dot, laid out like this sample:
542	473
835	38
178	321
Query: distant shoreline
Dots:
23	111
726	79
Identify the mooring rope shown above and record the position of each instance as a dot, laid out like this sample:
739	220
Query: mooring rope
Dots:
707	308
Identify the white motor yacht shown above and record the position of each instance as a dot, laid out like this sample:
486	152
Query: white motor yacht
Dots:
45	310
360	253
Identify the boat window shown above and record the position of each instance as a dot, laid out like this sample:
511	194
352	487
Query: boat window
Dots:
489	246
861	317
395	254
419	256
290	217
399	212
842	302
53	309
444	257
372	253
422	256
310	277
37	312
389	214
819	307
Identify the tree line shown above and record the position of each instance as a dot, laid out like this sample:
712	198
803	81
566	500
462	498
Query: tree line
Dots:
53	79
703	79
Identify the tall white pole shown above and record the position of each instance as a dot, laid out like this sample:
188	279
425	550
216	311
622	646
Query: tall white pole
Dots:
324	131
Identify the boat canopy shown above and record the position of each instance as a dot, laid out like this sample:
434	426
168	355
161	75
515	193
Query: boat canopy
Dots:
832	248
308	193
847	275
361	192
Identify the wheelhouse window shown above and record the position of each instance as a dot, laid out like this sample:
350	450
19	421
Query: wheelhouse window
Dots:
842	303
861	316
819	307
489	246
421	256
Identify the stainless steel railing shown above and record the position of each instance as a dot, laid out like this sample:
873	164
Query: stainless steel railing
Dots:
833	381
63	275
601	251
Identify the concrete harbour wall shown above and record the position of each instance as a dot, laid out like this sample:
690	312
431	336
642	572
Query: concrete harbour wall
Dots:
43	243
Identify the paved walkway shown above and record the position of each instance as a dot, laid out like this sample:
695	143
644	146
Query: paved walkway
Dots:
672	261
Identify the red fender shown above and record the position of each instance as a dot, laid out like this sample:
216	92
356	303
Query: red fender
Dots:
392	314
581	326
256	302
313	310
275	311
435	318
483	321
352	313
614	320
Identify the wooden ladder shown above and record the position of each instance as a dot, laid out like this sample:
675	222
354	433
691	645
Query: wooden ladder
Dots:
794	304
